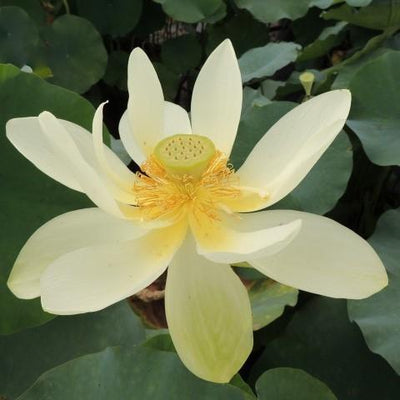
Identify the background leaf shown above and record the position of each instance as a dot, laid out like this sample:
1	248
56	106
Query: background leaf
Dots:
26	355
289	384
124	373
29	198
378	316
375	111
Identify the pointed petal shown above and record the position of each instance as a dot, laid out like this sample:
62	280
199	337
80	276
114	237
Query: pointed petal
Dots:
209	315
145	106
61	235
324	258
287	152
176	120
88	177
92	278
237	238
119	177
217	98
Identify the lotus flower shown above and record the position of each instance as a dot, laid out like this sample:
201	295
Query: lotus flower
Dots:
188	210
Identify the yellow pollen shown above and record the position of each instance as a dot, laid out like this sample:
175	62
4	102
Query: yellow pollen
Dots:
160	193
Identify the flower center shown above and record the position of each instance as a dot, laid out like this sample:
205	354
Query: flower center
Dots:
185	154
185	174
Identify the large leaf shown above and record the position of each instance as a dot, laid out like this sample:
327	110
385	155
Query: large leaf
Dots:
33	8
255	34
127	373
113	17
290	384
329	37
75	53
26	355
327	180
268	301
375	111
181	54
320	340
28	197
273	10
190	10
379	316
380	14
265	61
18	36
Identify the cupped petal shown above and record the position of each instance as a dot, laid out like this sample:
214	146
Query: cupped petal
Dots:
217	98
145	107
176	120
61	235
88	177
92	278
235	238
324	258
208	314
287	152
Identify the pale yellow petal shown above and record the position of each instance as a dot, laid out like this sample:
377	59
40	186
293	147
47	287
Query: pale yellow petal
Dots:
95	277
145	107
235	238
208	314
120	179
217	98
61	235
176	120
324	258
287	152
88	177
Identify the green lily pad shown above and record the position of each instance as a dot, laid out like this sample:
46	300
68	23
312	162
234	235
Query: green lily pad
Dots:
268	301
320	340
378	316
33	8
112	17
127	373
325	183
265	61
380	14
29	198
18	36
75	53
329	37
273	10
375	111
289	384
255	34
190	11
26	355
182	53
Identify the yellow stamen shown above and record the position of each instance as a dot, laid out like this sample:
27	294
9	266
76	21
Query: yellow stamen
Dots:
160	193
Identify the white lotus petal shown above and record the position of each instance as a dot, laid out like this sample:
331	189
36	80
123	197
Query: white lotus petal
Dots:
209	315
120	179
287	152
145	107
176	120
87	176
61	235
217	98
95	277
235	239
324	258
27	135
